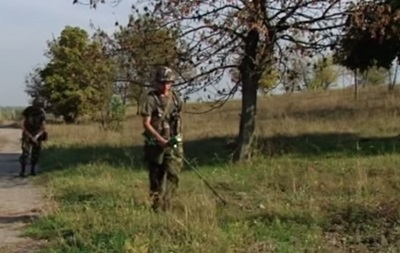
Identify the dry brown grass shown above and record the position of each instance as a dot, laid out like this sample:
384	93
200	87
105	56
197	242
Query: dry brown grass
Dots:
288	115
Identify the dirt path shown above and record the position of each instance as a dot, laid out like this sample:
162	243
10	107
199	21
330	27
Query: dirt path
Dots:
20	200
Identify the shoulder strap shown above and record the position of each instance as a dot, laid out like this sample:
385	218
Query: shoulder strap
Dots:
177	100
172	98
167	107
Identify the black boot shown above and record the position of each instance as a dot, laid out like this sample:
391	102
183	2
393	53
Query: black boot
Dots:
33	172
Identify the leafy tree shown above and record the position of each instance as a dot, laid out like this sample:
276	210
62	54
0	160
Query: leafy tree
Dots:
269	79
324	74
117	112
77	80
374	76
34	82
101	84
138	48
258	32
371	36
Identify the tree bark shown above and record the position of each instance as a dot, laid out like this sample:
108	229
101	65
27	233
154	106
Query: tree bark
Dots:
249	80
355	85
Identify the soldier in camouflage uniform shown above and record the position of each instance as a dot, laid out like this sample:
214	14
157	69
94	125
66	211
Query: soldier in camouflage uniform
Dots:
33	133
161	110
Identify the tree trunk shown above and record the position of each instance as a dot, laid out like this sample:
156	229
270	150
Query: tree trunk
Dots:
392	81
249	79
355	85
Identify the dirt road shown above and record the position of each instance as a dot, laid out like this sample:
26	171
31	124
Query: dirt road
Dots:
20	200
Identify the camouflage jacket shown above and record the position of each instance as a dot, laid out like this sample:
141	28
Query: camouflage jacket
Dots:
164	118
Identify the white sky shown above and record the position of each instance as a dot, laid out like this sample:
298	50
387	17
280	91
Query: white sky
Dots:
26	25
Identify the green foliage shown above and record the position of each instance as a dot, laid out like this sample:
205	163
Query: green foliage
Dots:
117	113
371	36
324	74
77	80
140	46
374	76
269	79
84	73
11	113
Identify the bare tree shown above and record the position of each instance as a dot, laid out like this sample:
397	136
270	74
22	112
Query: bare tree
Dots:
257	32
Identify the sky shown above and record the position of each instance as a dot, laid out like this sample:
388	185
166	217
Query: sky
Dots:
25	27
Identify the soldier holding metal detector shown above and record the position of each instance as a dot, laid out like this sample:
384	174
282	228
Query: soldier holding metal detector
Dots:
163	151
33	133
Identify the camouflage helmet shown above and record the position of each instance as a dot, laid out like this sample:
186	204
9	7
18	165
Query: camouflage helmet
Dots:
38	101
164	74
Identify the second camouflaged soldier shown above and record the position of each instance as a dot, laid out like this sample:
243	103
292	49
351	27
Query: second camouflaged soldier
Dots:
161	111
33	133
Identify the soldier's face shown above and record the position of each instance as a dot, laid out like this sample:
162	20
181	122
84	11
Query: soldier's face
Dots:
165	86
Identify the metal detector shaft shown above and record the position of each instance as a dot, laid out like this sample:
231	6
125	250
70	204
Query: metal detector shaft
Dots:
173	145
205	181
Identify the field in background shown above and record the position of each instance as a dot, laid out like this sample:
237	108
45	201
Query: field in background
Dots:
8	114
325	179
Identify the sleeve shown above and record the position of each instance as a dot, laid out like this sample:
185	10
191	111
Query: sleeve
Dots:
147	107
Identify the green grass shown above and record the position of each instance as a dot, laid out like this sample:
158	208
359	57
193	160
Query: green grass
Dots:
289	205
309	188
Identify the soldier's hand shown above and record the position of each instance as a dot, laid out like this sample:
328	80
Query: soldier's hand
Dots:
163	142
34	140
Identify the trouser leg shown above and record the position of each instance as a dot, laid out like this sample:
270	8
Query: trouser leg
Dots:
36	149
156	180
173	166
23	159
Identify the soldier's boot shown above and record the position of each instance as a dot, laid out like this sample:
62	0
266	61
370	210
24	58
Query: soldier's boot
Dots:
33	171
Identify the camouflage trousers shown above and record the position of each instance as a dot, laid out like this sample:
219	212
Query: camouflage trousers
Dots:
164	168
29	148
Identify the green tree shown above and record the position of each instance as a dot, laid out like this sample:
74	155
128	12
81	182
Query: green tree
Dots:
269	80
34	82
324	74
371	37
77	80
101	85
140	46
374	76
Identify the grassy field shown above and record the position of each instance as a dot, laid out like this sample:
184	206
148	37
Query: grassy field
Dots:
325	178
